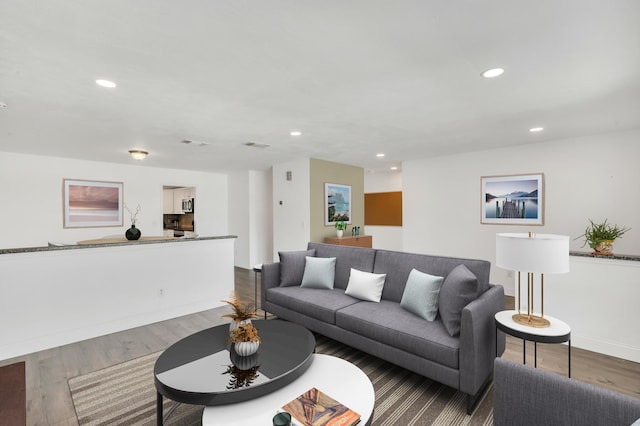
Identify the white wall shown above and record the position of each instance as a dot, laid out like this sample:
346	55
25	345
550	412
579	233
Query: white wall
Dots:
31	197
291	211
384	237
239	212
52	298
250	217
593	177
261	219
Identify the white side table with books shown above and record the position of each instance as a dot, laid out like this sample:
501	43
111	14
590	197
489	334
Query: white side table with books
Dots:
336	377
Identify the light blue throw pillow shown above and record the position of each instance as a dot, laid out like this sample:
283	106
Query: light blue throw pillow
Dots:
420	295
319	272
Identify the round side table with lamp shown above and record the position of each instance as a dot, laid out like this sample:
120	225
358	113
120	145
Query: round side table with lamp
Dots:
557	332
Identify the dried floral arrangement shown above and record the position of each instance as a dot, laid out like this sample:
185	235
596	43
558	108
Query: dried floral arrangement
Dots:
244	333
241	310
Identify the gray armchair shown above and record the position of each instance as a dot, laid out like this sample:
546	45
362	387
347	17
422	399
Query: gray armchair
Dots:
525	396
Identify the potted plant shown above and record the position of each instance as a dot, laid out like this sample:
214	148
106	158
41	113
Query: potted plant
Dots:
245	339
242	311
340	225
600	236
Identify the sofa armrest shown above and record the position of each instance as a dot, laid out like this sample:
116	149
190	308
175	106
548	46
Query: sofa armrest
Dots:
270	278
526	396
478	339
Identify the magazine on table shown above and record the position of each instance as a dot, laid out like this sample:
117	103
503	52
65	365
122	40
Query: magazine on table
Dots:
316	408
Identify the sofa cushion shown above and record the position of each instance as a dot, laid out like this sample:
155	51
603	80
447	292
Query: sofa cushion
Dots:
459	289
365	285
319	272
292	266
420	295
398	265
315	303
387	322
346	258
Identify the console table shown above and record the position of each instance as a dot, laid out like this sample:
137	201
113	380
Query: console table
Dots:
357	241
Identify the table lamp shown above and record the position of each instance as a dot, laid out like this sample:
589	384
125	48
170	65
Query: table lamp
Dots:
532	253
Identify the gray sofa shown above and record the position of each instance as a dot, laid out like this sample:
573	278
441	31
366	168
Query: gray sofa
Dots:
525	396
463	361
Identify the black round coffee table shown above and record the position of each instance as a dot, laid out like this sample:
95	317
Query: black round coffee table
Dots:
202	370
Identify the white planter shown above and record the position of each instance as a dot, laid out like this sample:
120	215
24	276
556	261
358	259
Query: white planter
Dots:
246	348
339	233
235	324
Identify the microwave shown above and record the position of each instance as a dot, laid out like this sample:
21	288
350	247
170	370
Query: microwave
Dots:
187	205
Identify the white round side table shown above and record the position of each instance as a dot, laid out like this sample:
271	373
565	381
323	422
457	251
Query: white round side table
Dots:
340	379
557	332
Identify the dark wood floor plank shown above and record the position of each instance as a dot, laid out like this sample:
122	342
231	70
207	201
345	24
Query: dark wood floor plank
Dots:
13	401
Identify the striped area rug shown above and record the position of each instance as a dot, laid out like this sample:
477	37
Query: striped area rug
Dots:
124	394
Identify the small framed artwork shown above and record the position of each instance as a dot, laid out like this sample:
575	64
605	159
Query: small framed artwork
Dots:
513	200
92	204
337	203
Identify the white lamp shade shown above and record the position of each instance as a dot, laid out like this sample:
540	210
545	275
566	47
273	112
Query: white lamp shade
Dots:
541	253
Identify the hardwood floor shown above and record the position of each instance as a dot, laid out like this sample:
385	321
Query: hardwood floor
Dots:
47	372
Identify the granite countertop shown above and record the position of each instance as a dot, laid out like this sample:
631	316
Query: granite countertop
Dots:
615	256
109	242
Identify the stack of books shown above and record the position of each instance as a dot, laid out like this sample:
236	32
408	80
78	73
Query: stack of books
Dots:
315	408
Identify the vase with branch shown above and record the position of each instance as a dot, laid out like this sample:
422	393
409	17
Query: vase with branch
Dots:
133	233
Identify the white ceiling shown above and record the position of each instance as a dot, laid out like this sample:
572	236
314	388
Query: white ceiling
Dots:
355	77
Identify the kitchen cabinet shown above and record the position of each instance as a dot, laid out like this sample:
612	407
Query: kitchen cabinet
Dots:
167	201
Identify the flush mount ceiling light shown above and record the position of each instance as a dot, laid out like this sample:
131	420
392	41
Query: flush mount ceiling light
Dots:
138	154
295	133
536	129
493	72
380	155
394	168
3	105
106	83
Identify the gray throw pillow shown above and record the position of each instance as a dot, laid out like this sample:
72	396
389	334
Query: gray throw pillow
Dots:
292	266
319	272
420	295
459	289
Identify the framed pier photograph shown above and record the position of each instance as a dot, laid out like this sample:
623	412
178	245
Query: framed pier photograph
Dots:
512	200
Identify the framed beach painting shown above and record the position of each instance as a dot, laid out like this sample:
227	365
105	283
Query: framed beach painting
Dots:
337	203
513	200
92	204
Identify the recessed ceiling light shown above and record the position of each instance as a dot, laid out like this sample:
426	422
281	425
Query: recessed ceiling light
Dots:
394	168
380	155
295	133
493	72
138	154
536	129
257	145
3	105
106	83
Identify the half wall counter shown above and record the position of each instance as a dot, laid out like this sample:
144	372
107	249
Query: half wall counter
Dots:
59	294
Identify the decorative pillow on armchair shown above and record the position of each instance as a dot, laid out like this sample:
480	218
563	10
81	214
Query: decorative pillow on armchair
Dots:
292	266
459	289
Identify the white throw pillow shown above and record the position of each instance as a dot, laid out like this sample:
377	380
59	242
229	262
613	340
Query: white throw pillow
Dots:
319	272
365	285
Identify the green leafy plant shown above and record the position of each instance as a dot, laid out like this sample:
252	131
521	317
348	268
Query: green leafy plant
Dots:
341	225
596	233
